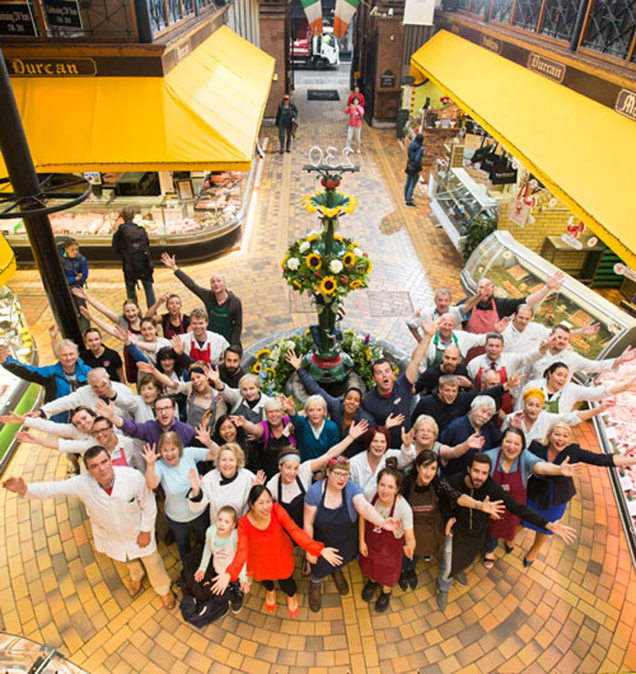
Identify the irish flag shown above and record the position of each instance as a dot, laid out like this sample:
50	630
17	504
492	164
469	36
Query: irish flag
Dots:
345	9
313	10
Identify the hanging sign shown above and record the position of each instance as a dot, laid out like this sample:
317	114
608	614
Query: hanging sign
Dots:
419	12
16	19
62	13
24	66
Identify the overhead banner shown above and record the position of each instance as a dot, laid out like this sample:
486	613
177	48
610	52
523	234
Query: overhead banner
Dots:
313	11
419	12
345	9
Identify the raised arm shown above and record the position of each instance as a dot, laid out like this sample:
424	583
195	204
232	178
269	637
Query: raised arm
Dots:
164	380
108	328
420	350
152	309
355	431
102	308
551	284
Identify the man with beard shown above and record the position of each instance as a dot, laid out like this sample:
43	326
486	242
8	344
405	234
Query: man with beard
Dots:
468	528
230	370
451	363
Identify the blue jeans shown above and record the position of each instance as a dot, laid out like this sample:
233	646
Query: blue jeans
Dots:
491	543
131	291
409	186
444	579
181	531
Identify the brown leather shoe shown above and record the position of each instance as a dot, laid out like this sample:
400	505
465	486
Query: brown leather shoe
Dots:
314	598
340	581
168	600
133	587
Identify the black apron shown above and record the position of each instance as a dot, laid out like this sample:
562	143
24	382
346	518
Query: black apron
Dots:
295	507
334	528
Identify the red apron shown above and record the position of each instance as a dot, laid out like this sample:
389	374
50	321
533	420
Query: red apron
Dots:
121	459
383	564
513	485
480	322
200	354
506	399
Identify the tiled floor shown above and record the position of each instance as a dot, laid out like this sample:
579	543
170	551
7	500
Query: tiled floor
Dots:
573	611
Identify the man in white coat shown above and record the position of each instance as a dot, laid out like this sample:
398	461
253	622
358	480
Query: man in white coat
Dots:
122	511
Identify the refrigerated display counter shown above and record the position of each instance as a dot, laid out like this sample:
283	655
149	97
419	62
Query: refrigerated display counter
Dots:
517	272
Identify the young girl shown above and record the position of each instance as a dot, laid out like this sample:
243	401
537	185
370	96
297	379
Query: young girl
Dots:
220	547
380	550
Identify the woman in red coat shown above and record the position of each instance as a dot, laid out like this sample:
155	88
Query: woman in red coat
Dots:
269	551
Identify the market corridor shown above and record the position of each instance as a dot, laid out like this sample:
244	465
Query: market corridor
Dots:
573	611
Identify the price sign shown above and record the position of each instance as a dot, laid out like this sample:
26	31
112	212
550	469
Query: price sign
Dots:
16	19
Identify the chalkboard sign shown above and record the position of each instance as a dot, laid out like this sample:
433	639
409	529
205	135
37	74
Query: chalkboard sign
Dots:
16	19
62	13
387	80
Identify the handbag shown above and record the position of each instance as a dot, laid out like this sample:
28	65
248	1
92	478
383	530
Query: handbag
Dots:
481	151
488	161
502	172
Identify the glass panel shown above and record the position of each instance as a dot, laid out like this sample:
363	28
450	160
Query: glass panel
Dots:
174	11
611	27
527	14
157	15
188	7
559	18
501	10
479	7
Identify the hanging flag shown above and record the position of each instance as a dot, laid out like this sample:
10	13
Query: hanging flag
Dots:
345	9
313	11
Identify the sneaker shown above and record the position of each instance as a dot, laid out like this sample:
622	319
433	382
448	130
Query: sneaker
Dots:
236	602
460	577
340	581
315	601
168	600
383	602
404	581
411	577
410	203
369	590
442	600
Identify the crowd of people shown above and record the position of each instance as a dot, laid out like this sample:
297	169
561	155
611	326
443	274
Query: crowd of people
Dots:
468	444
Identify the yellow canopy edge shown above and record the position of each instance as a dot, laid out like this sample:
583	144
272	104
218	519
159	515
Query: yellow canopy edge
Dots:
7	262
581	150
204	114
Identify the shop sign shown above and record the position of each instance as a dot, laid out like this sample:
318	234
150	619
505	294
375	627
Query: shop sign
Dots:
387	80
62	13
16	19
35	67
551	69
626	103
490	43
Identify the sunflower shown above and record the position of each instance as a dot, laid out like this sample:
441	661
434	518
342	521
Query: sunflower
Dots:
256	368
261	353
337	237
348	259
296	284
328	285
355	284
330	212
369	266
282	264
313	261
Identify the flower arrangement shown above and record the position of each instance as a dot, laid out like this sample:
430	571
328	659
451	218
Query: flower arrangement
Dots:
307	267
330	203
273	370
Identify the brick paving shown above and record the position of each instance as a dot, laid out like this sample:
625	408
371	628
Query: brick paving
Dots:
573	611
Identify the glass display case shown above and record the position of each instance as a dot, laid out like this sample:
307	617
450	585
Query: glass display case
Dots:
516	271
18	654
457	200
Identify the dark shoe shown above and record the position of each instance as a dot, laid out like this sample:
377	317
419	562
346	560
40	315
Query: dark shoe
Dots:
236	602
427	558
314	598
169	538
288	149
489	562
508	548
410	203
412	578
527	562
383	602
281	150
341	582
442	600
460	577
368	591
404	581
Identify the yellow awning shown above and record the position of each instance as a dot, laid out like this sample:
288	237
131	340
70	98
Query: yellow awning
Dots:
7	262
581	150
204	114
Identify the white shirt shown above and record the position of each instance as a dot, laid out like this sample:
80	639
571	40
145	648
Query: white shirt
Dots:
125	403
126	446
290	491
216	495
217	344
513	362
428	312
117	519
402	511
573	360
366	478
464	341
568	396
541	426
529	339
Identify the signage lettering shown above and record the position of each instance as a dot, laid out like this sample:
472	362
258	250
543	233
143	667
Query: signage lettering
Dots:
31	67
62	13
544	66
16	19
626	103
490	43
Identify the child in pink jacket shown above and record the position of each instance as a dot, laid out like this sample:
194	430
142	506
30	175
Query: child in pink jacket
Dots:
355	113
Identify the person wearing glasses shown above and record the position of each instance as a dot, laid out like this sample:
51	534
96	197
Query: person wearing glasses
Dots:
331	514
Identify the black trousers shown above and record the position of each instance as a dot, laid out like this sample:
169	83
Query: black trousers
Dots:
287	585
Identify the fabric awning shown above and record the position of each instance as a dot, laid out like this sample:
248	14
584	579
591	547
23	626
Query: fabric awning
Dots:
581	150
204	114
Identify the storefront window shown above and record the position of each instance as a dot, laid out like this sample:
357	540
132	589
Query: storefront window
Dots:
527	14
157	15
559	19
501	10
611	27
174	11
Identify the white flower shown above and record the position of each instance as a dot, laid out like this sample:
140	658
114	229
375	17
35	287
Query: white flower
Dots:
335	266
304	246
357	252
293	263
